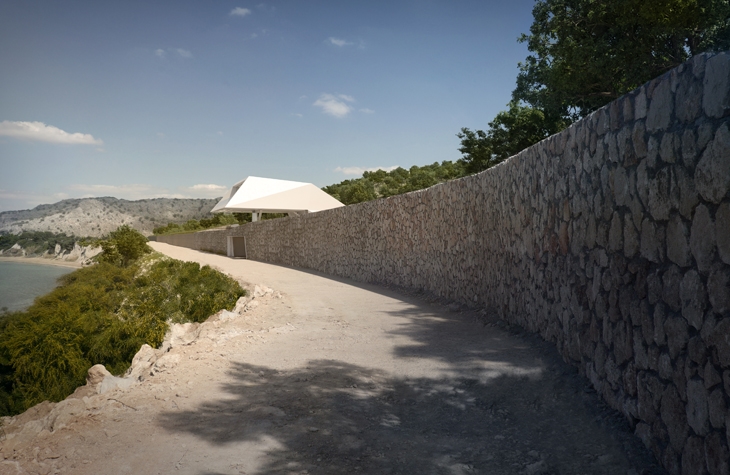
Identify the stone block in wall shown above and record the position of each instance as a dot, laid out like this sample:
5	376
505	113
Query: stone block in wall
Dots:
678	241
718	340
660	105
674	417
712	175
694	299
718	288
693	457
702	238
716	86
717	457
698	416
677	335
722	222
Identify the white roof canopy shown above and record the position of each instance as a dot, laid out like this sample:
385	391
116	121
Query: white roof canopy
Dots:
267	195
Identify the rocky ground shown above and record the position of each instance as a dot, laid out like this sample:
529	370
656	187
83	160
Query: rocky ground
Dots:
329	376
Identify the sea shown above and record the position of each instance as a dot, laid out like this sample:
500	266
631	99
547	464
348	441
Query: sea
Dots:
21	283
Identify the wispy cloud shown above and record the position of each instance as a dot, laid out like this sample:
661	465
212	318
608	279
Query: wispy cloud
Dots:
338	41
205	190
367	111
128	192
44	133
163	53
361	170
335	105
238	11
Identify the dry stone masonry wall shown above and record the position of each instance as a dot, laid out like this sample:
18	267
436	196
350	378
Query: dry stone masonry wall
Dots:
610	239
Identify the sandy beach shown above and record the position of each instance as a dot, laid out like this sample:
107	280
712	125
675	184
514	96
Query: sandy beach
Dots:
40	261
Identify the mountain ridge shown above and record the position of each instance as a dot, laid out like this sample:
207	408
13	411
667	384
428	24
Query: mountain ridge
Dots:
96	217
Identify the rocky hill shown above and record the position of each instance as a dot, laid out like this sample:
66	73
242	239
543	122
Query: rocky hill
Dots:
96	217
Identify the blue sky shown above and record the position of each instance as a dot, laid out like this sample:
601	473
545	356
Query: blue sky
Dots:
142	99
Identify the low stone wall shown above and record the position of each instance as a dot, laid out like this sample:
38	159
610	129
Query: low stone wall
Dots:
610	239
183	240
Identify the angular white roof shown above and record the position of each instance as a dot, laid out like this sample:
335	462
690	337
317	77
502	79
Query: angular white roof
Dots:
267	195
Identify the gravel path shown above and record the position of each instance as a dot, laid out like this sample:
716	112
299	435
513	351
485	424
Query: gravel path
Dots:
329	376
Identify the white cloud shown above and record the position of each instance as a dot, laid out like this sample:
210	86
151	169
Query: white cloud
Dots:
338	42
208	187
238	11
160	53
44	133
184	53
296	114
361	170
334	105
367	111
208	190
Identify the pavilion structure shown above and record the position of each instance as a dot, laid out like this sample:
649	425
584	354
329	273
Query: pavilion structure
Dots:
257	195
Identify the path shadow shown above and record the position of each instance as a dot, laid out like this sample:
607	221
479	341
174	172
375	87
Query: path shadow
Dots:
330	417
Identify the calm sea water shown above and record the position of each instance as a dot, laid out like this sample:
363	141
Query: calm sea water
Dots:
21	283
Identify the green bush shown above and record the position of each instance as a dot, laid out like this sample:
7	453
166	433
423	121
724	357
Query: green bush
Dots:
101	314
123	246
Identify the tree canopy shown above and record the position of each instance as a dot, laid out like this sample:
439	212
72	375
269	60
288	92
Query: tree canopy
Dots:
586	53
382	184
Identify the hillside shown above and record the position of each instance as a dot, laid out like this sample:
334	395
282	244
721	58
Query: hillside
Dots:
96	217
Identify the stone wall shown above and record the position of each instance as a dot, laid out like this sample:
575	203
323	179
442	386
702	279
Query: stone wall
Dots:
610	239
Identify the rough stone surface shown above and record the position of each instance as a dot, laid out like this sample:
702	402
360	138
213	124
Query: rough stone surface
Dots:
716	96
722	222
702	239
694	299
610	239
712	176
718	285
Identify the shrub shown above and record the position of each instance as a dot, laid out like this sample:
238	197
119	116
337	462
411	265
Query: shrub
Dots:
101	314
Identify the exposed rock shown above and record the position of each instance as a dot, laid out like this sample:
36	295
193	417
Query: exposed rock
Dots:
110	383
141	363
96	375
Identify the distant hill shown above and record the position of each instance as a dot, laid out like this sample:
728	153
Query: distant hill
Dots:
96	217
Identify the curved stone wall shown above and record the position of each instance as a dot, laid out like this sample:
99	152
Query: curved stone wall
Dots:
610	239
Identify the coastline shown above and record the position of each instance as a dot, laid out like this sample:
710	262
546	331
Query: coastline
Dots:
40	261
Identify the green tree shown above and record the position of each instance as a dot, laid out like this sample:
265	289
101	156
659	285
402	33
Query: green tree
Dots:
123	246
509	133
585	53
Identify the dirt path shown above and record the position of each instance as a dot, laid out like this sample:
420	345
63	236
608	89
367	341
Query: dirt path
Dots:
331	376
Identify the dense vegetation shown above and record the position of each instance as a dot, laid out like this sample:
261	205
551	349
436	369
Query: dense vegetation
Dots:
218	219
102	314
36	242
382	184
586	53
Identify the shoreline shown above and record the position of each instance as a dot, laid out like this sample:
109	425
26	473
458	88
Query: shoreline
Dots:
41	261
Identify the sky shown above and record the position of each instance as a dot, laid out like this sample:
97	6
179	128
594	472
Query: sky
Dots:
146	99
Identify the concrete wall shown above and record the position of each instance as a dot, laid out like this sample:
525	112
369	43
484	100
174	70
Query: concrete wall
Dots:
610	239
